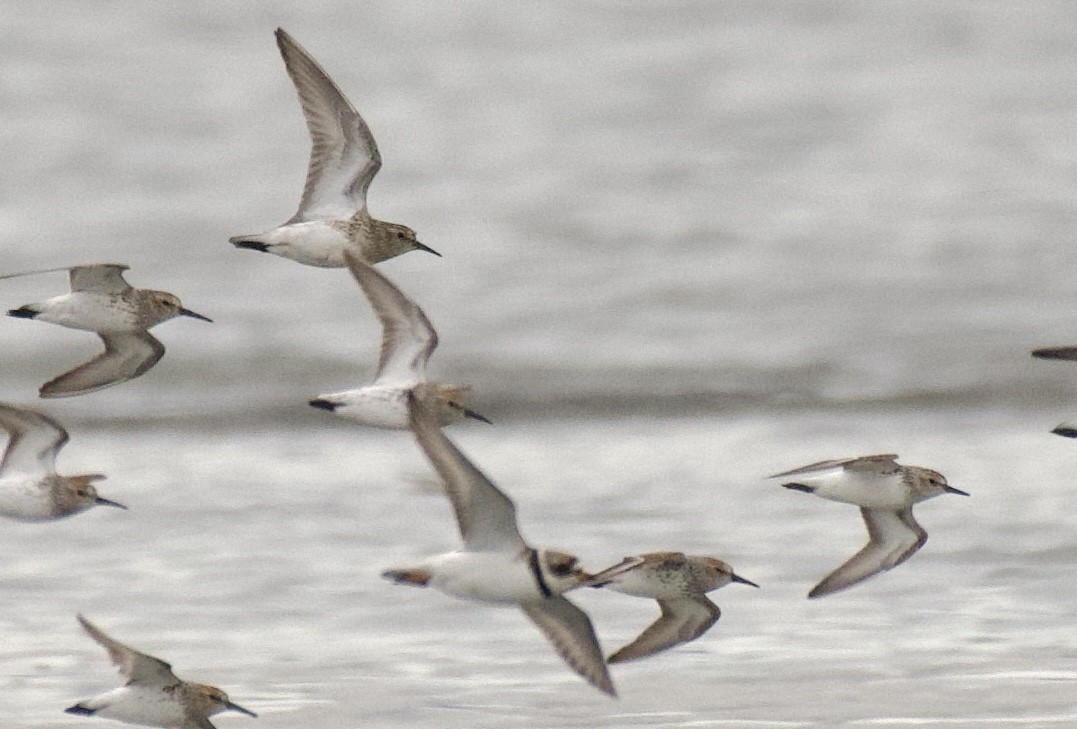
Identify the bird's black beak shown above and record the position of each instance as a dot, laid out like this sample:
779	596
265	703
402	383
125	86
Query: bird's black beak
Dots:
193	315
109	502
476	416
240	709
323	404
420	247
741	580
1066	430
951	490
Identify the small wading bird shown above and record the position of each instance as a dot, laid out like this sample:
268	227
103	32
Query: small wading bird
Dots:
885	493
495	564
679	583
30	488
152	696
332	215
101	301
407	341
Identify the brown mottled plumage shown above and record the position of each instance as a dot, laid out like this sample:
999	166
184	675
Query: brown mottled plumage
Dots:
679	583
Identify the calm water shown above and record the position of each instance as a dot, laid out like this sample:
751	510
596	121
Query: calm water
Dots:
685	247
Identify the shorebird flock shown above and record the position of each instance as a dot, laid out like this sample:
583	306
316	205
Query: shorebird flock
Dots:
495	565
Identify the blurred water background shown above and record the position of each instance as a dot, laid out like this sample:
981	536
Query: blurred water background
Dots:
685	245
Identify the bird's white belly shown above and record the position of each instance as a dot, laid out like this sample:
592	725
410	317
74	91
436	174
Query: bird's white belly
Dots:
497	577
640	584
147	705
24	498
314	243
379	407
872	492
89	311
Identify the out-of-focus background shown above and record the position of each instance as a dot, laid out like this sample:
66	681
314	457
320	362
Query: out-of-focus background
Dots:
685	246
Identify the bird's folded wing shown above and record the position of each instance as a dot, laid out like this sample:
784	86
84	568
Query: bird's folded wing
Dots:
870	463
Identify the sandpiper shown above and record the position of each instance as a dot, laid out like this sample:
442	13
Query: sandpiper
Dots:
679	583
885	492
102	301
495	565
30	488
407	341
332	215
153	695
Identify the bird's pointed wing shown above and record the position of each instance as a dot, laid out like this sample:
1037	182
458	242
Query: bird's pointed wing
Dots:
682	620
881	463
407	337
343	155
127	355
137	668
101	278
573	637
1067	429
33	443
36	271
811	468
486	516
893	537
1055	353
